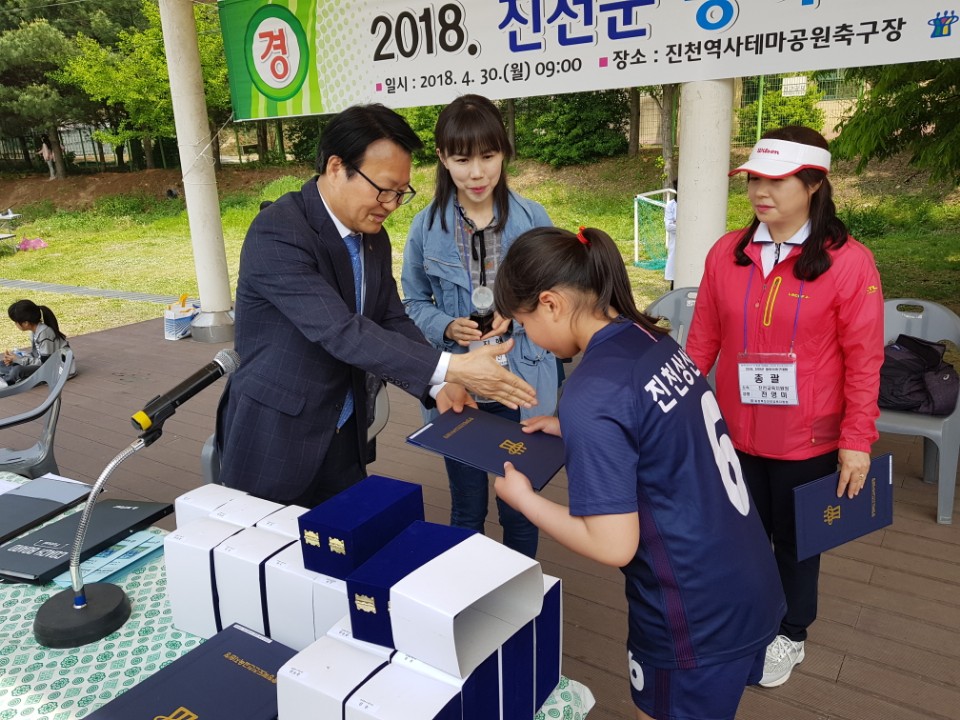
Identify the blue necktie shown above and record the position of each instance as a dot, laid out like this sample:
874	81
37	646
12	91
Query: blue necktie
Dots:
353	247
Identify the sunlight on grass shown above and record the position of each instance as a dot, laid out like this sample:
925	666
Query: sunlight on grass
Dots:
142	244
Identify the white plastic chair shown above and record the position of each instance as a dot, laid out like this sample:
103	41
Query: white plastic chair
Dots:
38	459
941	435
677	307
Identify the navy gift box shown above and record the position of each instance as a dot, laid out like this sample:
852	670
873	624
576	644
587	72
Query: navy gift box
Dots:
548	636
368	588
341	534
517	675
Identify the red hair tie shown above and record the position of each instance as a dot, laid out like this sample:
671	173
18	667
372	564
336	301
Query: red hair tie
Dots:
581	237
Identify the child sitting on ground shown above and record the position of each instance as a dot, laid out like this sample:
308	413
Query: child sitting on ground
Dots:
45	340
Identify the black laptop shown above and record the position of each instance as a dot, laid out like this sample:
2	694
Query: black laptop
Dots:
40	556
36	501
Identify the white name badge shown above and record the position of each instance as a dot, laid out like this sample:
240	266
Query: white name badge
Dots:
768	379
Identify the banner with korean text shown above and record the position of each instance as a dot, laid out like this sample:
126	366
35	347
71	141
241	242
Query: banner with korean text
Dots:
306	57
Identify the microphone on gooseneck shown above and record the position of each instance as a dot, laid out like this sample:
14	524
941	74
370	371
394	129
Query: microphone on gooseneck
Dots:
163	406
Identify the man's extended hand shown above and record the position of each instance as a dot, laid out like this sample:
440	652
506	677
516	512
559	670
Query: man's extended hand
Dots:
480	372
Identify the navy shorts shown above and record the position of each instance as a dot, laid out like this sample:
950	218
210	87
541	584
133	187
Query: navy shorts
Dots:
708	693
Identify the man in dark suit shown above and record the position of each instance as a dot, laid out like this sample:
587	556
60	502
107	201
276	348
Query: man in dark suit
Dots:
292	422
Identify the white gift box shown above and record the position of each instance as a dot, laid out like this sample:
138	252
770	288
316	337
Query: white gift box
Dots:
398	693
202	501
241	588
548	640
315	682
245	511
301	604
479	692
191	586
283	521
457	609
330	603
342	631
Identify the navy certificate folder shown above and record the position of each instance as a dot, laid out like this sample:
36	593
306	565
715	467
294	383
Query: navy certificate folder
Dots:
232	675
825	521
486	441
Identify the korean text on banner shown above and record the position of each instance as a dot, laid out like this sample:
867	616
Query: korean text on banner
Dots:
303	57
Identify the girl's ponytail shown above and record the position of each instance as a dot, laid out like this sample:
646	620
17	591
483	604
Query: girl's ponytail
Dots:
609	280
50	320
588	262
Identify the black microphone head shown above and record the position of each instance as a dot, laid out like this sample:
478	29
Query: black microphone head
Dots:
228	360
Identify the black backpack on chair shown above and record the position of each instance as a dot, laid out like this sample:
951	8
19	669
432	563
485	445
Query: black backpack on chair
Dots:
915	378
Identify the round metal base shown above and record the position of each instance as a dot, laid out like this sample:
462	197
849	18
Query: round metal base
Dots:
212	327
59	625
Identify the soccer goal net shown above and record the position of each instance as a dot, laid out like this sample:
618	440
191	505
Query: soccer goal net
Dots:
649	233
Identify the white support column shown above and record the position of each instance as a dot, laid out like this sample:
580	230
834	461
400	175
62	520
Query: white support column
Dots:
706	117
214	324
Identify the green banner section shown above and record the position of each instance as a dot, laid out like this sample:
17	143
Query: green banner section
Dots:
271	57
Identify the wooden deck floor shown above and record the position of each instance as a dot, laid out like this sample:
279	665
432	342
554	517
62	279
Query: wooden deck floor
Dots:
886	645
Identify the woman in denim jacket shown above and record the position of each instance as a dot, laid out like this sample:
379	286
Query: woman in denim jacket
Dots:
454	247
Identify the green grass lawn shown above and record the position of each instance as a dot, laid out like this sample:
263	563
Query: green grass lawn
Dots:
142	244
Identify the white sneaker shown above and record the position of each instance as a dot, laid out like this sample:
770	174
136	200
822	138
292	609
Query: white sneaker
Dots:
782	655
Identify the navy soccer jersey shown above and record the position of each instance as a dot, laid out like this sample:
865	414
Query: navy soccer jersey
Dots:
643	434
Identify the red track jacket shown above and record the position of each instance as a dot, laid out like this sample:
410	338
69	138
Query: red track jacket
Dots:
838	343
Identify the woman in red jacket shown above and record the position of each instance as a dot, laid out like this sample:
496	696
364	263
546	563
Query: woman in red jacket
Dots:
792	307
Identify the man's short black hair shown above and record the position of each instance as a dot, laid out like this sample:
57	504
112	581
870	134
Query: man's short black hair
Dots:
351	132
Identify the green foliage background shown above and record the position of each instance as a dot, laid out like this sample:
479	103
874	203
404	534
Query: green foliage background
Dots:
140	243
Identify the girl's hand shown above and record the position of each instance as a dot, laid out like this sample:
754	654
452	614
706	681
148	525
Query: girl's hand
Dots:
513	487
462	331
542	423
455	397
500	326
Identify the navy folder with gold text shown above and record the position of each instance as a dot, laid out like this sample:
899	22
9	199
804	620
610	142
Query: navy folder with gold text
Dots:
825	521
485	441
232	675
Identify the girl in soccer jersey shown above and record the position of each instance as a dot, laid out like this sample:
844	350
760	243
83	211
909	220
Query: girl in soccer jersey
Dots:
654	483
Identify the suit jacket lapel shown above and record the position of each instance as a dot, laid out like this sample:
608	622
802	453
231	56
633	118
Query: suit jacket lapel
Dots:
330	245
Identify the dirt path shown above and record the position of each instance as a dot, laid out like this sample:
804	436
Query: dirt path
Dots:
81	191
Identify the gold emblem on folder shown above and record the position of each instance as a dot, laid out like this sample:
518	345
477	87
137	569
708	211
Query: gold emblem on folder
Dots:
311	538
514	448
181	713
365	603
337	546
831	514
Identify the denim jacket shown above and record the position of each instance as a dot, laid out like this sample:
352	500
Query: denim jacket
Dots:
436	291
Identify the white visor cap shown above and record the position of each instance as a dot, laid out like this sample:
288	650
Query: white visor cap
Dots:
782	158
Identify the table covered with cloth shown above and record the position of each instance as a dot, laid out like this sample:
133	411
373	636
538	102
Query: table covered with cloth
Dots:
41	683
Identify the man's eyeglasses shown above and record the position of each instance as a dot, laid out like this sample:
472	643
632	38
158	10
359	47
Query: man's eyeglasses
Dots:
386	196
